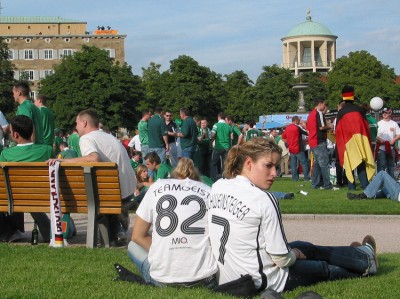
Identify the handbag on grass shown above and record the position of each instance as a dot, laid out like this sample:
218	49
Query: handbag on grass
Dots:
243	287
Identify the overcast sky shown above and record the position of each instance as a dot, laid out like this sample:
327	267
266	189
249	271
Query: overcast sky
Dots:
227	35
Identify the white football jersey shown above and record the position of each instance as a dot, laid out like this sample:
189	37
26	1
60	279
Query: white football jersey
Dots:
245	227
180	249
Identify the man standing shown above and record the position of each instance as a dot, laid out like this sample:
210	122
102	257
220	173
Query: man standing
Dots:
221	133
388	134
317	128
236	134
48	121
158	134
251	132
353	141
293	138
188	134
204	147
144	131
21	130
21	96
99	146
172	128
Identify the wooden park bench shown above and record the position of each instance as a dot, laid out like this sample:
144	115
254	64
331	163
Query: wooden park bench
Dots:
90	188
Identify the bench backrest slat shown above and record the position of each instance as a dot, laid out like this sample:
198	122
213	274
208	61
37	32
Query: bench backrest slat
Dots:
30	188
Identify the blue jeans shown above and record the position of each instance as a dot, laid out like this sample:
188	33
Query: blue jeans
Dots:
160	152
386	161
327	263
188	152
301	157
139	256
320	167
362	176
383	185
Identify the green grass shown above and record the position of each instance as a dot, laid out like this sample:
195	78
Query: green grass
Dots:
329	201
44	272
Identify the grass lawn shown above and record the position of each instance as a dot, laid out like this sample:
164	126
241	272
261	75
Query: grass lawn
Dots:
76	272
329	201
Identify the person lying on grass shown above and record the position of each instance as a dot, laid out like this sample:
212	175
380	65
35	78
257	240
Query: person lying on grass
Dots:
247	235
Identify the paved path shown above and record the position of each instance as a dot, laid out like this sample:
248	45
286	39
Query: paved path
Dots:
318	229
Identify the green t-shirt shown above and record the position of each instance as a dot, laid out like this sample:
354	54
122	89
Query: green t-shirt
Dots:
57	142
48	125
73	143
143	132
163	172
134	164
204	144
236	133
252	133
222	135
27	108
156	130
27	153
373	127
190	131
68	154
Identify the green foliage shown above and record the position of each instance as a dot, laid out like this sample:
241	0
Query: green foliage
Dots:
152	86
90	79
273	92
240	93
6	80
316	90
187	84
367	75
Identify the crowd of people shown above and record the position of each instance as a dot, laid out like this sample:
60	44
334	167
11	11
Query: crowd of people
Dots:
204	189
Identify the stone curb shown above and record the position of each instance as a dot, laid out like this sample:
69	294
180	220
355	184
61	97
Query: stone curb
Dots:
338	217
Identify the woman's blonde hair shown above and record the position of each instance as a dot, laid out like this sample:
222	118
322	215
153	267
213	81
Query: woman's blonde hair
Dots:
254	149
141	168
186	169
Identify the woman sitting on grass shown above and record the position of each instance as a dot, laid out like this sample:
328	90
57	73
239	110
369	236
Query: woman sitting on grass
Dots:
178	252
247	235
143	183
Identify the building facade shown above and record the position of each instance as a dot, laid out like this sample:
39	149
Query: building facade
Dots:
37	44
309	47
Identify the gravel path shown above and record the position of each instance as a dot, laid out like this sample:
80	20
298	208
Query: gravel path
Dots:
319	229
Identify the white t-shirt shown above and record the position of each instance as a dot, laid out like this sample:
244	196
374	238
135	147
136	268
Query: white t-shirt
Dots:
180	249
245	228
110	149
135	142
387	130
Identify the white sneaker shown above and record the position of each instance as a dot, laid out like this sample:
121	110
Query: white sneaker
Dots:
373	267
17	235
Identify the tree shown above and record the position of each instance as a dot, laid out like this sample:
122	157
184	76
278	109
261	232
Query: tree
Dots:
366	74
187	84
240	90
151	80
316	90
6	80
273	92
90	79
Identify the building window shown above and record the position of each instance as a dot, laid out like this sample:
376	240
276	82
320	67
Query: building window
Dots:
28	40
47	40
48	27
32	94
67	40
48	73
86	39
8	40
110	52
28	54
8	27
67	52
11	54
69	27
27	75
29	27
48	54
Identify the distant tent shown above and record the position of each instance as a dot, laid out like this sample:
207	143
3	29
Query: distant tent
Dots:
270	125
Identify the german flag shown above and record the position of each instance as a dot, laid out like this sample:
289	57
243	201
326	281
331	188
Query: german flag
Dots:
353	141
